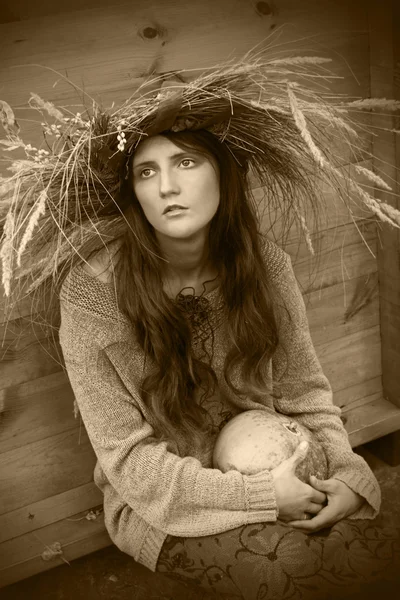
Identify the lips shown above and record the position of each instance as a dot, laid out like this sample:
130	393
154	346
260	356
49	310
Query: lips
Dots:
173	207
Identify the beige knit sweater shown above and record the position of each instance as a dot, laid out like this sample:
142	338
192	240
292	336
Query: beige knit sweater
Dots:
149	490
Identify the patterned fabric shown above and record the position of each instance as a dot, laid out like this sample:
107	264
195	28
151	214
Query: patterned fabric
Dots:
273	561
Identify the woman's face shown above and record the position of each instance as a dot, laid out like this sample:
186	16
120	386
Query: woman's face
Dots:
165	176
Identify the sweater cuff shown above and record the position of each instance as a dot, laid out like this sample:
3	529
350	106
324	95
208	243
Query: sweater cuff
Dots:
365	488
260	493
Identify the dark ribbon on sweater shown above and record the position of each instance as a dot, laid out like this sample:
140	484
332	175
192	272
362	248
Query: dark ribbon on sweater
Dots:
195	307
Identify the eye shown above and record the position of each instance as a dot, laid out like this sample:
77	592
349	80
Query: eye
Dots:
185	162
146	173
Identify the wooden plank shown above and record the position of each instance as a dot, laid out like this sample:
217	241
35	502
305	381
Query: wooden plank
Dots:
111	63
38	360
22	556
351	360
368	397
334	214
354	394
342	309
384	22
47	511
371	421
197	34
74	550
33	543
18	334
81	547
18	308
36	410
341	254
45	468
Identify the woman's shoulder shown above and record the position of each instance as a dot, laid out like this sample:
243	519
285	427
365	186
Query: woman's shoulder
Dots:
89	288
100	265
275	258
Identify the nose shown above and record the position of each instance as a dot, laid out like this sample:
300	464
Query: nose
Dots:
168	183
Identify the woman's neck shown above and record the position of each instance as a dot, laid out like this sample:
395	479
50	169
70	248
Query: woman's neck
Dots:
189	263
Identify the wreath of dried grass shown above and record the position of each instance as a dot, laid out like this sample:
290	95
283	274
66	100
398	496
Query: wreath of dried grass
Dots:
277	117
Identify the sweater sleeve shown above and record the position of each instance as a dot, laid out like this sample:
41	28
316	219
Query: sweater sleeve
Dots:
305	393
175	495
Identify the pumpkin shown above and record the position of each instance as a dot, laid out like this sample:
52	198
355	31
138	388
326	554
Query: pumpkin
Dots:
255	440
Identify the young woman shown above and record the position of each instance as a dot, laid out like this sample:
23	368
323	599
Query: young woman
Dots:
169	336
177	315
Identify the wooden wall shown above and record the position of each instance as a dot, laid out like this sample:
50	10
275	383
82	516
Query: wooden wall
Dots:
106	48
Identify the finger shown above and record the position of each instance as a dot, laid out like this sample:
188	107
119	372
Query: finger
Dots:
317	497
314	508
298	455
323	485
325	518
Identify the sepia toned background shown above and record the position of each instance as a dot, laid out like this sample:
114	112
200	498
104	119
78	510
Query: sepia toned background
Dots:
352	288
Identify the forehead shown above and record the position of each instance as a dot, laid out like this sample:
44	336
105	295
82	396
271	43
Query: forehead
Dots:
154	148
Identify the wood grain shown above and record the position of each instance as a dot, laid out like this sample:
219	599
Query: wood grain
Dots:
23	554
46	467
384	56
44	512
36	410
106	53
354	395
95	540
36	360
341	254
371	420
353	359
334	312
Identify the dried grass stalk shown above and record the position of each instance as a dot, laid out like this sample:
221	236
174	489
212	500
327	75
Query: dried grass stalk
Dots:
300	121
61	202
373	177
38	210
6	253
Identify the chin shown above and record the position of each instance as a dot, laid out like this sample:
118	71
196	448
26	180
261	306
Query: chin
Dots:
183	232
182	235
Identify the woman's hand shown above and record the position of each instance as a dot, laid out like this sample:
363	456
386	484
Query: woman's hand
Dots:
293	497
342	502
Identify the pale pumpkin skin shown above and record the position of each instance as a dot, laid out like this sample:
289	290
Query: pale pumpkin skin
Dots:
256	440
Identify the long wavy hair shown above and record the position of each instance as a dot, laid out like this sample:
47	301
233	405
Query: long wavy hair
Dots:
173	375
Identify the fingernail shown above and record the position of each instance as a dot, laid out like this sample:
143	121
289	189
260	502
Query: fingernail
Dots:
303	445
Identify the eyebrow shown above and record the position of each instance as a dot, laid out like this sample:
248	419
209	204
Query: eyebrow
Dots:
172	156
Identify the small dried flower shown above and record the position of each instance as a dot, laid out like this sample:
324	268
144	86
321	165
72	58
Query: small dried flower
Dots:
52	551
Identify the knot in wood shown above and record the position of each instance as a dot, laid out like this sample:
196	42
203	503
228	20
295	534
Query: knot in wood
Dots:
264	8
150	33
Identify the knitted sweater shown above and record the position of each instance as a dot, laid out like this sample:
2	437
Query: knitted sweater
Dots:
149	490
